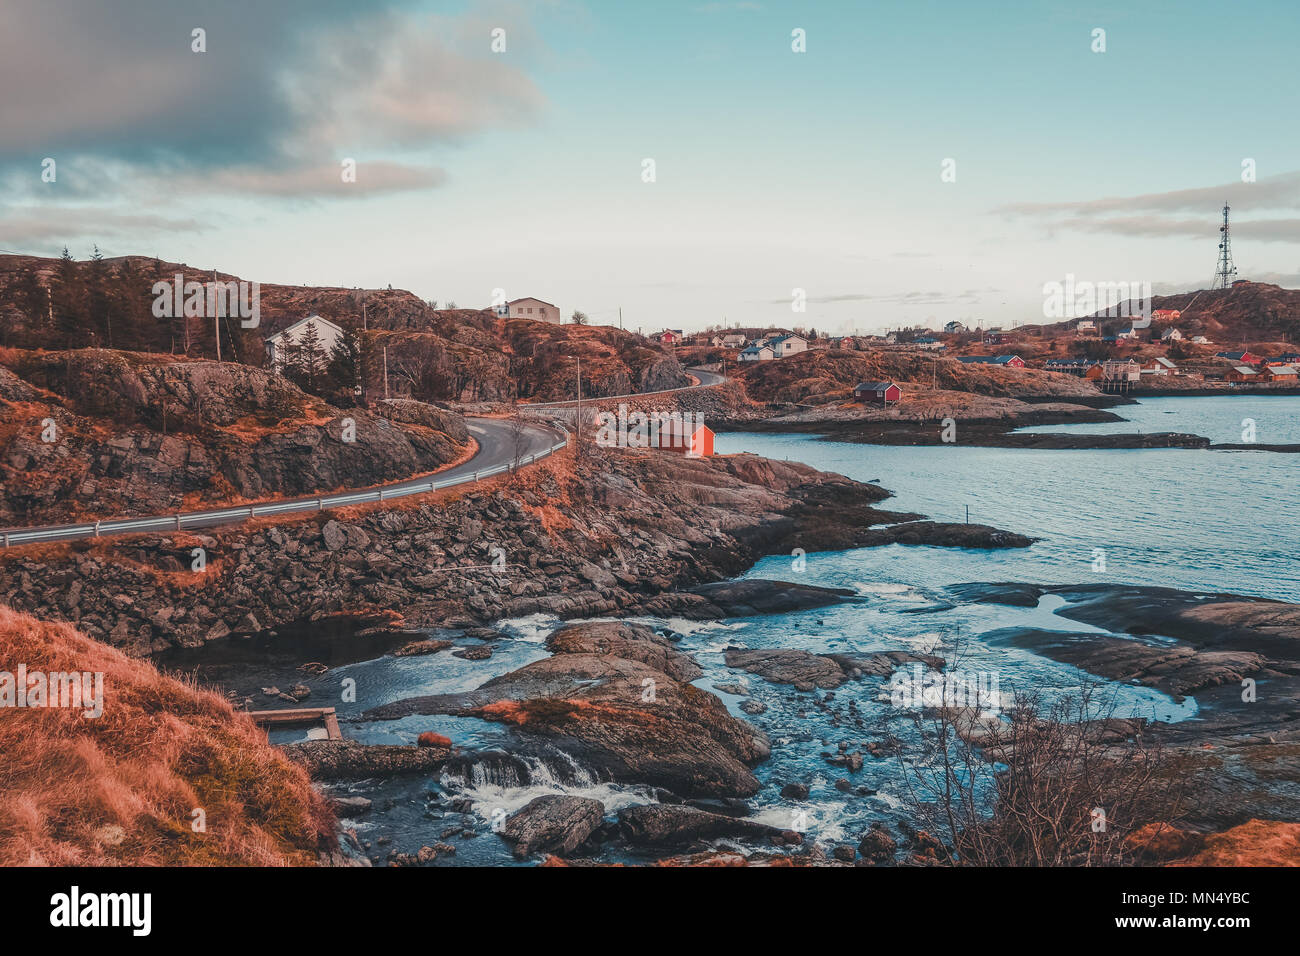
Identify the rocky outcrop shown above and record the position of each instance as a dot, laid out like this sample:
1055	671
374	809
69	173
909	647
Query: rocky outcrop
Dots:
148	435
673	825
749	596
627	720
615	534
807	671
553	823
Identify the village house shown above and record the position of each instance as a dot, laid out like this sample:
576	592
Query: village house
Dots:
882	393
1246	358
283	345
1159	366
1280	373
1087	328
996	337
1069	366
530	308
757	353
954	328
1166	315
686	438
929	343
734	340
668	337
1171	335
1007	361
786	345
1241	373
1201	340
1126	370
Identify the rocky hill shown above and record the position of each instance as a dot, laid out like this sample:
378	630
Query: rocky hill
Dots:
97	433
825	376
432	354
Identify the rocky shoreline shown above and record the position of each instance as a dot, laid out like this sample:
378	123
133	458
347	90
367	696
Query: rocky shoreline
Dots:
610	533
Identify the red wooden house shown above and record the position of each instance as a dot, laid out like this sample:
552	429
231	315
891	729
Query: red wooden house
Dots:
871	393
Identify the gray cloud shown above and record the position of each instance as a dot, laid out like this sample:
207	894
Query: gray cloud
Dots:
50	227
1156	214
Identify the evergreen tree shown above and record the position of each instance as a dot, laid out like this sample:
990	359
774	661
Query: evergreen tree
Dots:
69	301
344	367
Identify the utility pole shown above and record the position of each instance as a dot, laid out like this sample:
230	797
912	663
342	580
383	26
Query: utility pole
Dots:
216	314
579	398
385	373
620	318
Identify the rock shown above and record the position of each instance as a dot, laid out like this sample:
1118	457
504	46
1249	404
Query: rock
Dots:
846	854
300	692
750	596
795	791
350	806
334	535
661	825
788	666
416	648
615	714
877	845
753	707
480	653
843	785
552	823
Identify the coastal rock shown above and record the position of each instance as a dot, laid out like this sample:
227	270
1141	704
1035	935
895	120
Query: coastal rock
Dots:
750	596
660	825
614	714
788	666
554	823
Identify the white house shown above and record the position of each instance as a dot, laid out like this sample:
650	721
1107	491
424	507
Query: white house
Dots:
529	308
787	345
1201	340
734	340
954	328
757	353
1171	335
280	347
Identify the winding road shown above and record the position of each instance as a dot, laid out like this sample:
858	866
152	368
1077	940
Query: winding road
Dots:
496	454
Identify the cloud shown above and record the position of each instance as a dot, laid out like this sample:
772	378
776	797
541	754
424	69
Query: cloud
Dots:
30	225
1164	214
295	78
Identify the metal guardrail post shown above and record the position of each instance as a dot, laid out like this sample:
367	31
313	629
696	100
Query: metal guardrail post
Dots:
320	504
178	522
6	539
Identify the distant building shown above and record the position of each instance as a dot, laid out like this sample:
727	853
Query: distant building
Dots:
1171	335
1068	366
1280	373
1201	340
1241	373
1159	366
1166	315
1120	371
1007	361
281	347
757	353
786	345
668	337
1245	357
734	340
954	328
1087	328
882	393
530	308
686	438
929	343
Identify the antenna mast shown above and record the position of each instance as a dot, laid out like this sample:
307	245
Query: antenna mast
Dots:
1226	271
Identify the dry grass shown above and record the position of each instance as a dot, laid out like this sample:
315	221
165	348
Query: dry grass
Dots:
120	789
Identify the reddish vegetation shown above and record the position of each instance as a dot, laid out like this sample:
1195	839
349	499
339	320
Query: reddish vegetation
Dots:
120	789
430	739
1254	843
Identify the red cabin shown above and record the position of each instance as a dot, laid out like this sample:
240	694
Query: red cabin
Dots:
885	393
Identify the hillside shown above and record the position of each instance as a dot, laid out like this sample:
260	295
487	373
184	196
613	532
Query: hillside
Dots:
122	788
433	354
94	432
824	376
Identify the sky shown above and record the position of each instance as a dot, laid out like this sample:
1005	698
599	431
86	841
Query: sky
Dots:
914	163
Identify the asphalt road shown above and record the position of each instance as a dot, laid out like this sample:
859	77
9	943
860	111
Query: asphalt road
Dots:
496	454
707	380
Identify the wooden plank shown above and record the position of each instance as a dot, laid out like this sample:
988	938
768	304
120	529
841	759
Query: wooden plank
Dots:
300	715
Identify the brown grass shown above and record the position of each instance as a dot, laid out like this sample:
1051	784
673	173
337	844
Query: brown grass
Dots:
120	789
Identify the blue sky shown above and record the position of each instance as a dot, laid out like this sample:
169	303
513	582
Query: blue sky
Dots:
775	170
